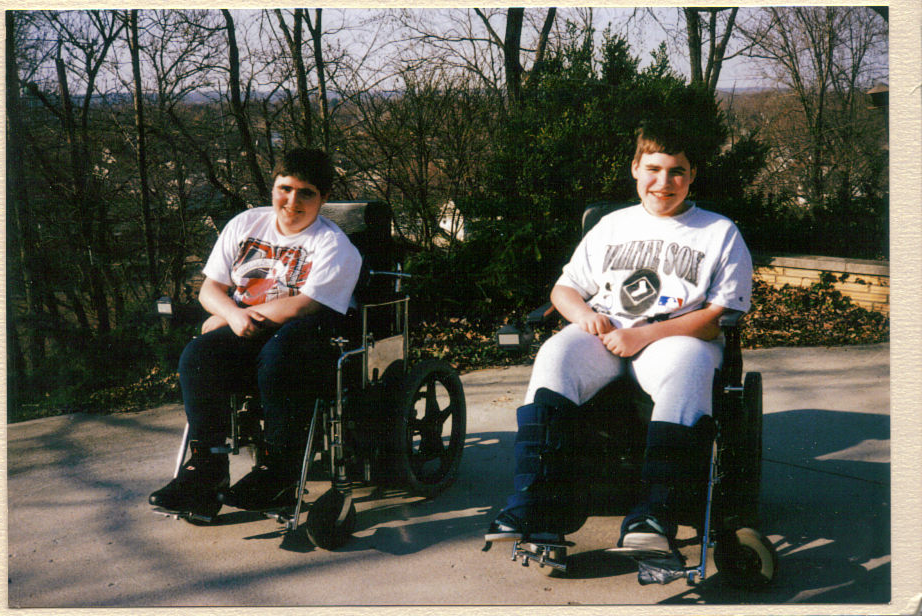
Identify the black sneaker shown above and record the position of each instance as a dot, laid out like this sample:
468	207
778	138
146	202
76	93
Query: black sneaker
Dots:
195	489
506	527
262	489
510	527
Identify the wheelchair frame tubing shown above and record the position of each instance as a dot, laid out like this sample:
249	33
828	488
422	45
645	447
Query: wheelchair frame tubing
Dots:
337	454
701	570
305	467
182	451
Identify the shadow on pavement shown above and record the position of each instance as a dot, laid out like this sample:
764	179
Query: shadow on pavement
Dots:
825	505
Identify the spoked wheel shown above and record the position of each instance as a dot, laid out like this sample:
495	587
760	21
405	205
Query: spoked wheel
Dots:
323	528
745	559
427	438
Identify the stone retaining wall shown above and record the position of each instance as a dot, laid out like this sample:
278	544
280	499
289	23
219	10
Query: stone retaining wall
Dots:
867	283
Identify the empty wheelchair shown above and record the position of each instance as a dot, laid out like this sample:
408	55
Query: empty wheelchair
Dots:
383	420
611	432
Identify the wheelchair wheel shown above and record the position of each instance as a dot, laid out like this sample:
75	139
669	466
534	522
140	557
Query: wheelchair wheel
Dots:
322	529
426	440
746	559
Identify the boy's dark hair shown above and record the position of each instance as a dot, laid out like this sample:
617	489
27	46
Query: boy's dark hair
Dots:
667	137
309	165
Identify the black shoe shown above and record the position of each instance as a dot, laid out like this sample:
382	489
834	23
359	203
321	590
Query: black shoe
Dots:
262	489
506	527
195	489
510	527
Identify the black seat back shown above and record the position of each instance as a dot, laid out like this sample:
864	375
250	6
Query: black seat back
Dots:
595	211
368	226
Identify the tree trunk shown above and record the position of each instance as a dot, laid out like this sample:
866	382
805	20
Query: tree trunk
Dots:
705	71
542	39
238	111
316	31
79	178
295	40
693	27
512	45
152	276
20	278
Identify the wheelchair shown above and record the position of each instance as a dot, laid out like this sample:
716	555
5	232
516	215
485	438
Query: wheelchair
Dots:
383	421
611	427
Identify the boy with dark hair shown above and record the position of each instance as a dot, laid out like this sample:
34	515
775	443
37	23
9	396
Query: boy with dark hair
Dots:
643	293
274	280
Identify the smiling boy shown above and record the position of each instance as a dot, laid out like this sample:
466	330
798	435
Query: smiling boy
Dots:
274	281
643	293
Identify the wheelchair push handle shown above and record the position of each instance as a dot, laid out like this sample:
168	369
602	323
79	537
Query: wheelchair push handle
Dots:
399	275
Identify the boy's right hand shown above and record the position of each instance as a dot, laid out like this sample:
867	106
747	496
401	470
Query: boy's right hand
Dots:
595	323
246	322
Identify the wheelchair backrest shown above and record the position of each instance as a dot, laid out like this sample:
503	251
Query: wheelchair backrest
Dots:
595	211
368	226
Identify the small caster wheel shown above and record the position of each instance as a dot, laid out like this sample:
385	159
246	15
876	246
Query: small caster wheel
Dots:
746	559
321	525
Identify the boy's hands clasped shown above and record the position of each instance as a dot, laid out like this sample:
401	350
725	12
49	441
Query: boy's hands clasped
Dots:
621	342
594	323
626	342
245	322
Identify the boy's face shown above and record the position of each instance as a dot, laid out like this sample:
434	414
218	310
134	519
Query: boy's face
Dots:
663	181
296	203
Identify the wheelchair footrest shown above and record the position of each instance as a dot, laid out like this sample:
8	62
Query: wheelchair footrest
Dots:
183	515
544	554
638	553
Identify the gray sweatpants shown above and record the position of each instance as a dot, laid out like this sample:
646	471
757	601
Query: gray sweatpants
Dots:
677	372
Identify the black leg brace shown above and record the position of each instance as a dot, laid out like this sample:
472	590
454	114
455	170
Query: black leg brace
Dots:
545	489
676	465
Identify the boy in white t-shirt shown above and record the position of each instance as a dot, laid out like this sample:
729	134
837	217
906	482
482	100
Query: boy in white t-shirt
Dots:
275	280
643	292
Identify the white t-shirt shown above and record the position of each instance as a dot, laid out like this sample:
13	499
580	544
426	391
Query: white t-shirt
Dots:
632	266
261	264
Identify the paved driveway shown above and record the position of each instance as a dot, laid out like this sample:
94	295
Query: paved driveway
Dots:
82	535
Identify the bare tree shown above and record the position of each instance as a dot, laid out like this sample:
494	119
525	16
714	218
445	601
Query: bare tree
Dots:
824	57
423	148
141	129
83	42
468	39
703	26
295	41
316	31
238	110
25	280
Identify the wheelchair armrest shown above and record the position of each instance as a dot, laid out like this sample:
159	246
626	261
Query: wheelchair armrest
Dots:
732	368
730	318
540	314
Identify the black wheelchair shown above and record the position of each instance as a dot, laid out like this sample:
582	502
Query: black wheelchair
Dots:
611	431
383	422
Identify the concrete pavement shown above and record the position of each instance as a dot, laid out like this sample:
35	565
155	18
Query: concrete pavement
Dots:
82	535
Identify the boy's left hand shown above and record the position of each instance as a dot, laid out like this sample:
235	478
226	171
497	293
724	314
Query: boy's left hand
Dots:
626	342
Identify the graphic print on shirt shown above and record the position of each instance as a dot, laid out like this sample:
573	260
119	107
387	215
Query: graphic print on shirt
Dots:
263	272
635	272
